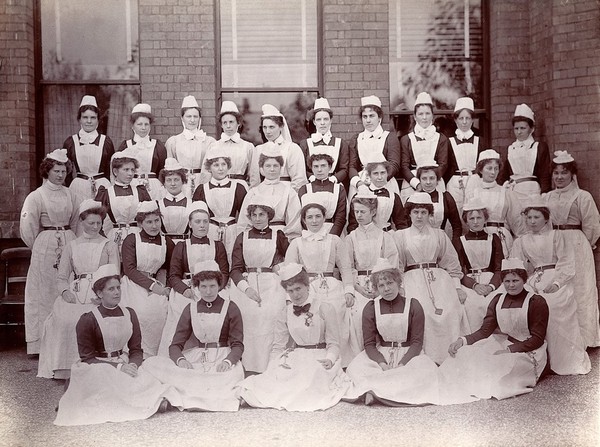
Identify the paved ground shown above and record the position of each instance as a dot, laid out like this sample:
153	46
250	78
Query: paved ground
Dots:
561	411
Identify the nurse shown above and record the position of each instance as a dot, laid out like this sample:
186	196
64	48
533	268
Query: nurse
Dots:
422	144
277	137
323	142
90	153
149	152
173	206
189	147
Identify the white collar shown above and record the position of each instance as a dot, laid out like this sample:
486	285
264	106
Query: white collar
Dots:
177	198
427	133
117	183
236	138
377	133
87	137
279	140
197	134
318	236
222	182
271	182
460	135
525	144
139	140
326	138
488	185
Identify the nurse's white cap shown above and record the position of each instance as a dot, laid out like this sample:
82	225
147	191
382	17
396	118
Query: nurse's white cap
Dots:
423	98
474	205
105	271
58	155
125	153
142	108
512	264
216	152
489	154
270	110
421	198
561	157
206	266
262	200
364	192
524	111
382	265
229	107
89	204
189	101
198	205
428	164
271	149
171	164
464	103
536	201
370	101
88	100
147	206
321	103
288	271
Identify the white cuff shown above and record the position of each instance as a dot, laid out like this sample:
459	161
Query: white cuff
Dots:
228	362
243	285
349	289
354	180
312	178
119	366
464	339
414	182
492	286
333	178
457	284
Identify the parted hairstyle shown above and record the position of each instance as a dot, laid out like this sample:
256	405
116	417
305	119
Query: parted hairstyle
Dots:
48	163
208	162
409	206
319	157
420	105
140	217
301	278
378	110
99	285
484	211
134	117
542	209
422	169
570	166
85	108
162	175
373	165
369	203
208	275
522	273
119	162
309	206
262	159
185	109
98	211
482	163
267	209
393	274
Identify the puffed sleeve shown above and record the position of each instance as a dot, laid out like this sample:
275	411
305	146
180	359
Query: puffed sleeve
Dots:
392	154
238	265
416	329
405	159
452	213
332	331
441	155
182	334
590	218
221	259
236	333
354	166
565	264
398	214
399	239
282	246
65	268
370	333
344	264
389	249
243	222
292	227
143	194
281	335
136	354
130	263
343	163
447	257
296	166
29	224
254	170
543	167
170	145
87	332
339	216
292	255
176	269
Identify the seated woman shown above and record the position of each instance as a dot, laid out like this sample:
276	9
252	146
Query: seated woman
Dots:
390	212
204	364
321	253
282	197
107	384
122	198
80	259
552	263
365	245
432	275
331	194
507	355
197	248
173	206
224	198
392	368
304	372
257	253
480	256
144	255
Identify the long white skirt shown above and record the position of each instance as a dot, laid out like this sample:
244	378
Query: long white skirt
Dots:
440	330
566	349
151	310
259	320
100	393
201	388
59	349
302	385
81	189
415	383
176	305
476	305
476	373
356	342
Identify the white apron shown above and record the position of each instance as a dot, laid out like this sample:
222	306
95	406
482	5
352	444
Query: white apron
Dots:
466	160
332	151
144	175
496	204
124	210
423	151
222	227
174	219
328	199
88	157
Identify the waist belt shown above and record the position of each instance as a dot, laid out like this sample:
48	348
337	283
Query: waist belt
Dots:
541	268
426	265
514	340
394	344
148	274
285	178
464	172
176	236
277	222
525	179
317	346
330	220
388	228
90	176
237	176
148	175
479	270
122	225
325	274
223	224
566	227
83	275
213	345
65	228
259	270
363	272
110	355
187	275
494	224
192	171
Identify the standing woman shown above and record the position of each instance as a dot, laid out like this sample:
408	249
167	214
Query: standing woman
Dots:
47	219
422	144
553	263
304	372
197	248
257	253
122	198
575	215
276	133
432	275
90	153
373	144
150	153
526	162
504	212
80	259
173	206
323	142
321	252
190	146
231	144
464	148
480	256
224	198
144	254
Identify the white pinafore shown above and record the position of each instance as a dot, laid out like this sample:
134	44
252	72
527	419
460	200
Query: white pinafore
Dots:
85	185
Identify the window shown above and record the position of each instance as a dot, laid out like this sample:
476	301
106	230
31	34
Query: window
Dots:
88	48
269	54
436	46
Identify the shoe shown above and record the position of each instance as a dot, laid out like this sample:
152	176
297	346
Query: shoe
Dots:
369	399
164	406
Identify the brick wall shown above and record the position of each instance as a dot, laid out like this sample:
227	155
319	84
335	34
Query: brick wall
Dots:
17	112
177	58
356	59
